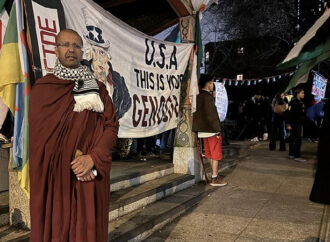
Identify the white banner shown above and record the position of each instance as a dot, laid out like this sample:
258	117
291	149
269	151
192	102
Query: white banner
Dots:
46	28
143	75
319	85
221	100
45	19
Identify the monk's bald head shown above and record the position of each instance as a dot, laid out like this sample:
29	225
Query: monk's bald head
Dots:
69	31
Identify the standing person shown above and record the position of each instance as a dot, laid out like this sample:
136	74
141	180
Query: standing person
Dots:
73	128
279	107
207	123
321	190
297	119
257	111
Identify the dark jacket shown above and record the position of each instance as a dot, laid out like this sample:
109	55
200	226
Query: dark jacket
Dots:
206	118
297	112
321	189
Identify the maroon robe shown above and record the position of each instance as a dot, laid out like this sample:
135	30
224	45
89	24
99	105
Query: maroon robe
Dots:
63	208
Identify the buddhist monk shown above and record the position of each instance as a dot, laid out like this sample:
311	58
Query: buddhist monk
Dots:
73	127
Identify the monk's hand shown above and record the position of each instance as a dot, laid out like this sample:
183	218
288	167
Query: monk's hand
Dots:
82	165
88	177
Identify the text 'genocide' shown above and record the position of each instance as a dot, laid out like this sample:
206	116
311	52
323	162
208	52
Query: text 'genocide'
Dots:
152	110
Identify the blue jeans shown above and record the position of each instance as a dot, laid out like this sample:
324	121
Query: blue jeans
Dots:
164	140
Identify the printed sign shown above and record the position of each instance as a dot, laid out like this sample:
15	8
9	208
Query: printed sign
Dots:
221	100
319	85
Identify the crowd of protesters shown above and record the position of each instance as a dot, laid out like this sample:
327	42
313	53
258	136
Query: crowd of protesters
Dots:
285	118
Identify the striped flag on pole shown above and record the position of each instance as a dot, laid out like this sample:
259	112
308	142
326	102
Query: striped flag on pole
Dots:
3	24
15	88
22	102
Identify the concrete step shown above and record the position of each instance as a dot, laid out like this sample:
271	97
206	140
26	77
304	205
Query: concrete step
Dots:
134	212
138	175
130	177
4	215
140	224
124	201
4	209
127	200
13	234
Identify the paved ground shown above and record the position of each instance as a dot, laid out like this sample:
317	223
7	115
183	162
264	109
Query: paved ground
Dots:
266	200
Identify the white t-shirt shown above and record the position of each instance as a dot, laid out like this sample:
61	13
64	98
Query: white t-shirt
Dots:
205	134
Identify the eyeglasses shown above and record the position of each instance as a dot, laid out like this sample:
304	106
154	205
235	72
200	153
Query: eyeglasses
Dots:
67	45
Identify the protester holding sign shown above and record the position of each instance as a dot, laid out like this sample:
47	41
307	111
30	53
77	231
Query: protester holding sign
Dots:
73	128
207	123
319	85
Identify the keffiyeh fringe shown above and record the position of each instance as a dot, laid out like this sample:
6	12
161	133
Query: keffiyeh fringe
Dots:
85	91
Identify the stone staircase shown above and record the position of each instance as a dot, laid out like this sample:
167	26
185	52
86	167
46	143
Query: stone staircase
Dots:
143	198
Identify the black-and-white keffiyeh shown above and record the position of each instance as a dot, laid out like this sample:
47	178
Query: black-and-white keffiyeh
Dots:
85	91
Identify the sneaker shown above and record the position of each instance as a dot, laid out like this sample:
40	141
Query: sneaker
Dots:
216	182
255	139
299	159
265	137
142	156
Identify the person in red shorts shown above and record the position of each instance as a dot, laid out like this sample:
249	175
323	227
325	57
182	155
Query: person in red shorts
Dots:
207	123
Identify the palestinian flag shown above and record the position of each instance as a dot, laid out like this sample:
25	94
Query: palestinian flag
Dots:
21	125
304	68
311	49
